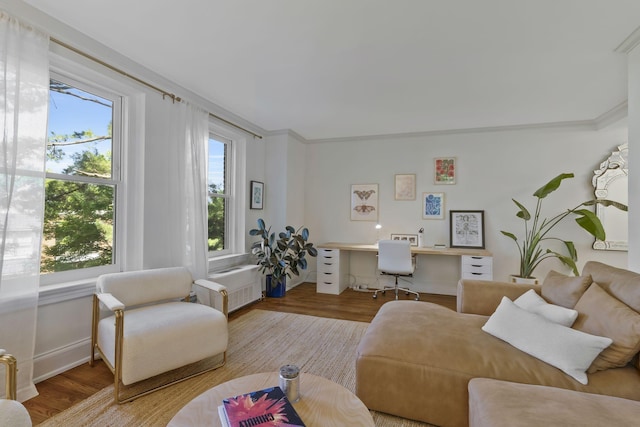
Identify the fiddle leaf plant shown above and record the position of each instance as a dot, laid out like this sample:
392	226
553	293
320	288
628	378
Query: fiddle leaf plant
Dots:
282	255
537	230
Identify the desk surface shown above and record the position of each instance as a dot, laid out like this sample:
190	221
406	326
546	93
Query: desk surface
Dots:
414	249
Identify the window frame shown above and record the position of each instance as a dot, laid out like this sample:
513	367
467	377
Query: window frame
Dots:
236	171
104	87
229	206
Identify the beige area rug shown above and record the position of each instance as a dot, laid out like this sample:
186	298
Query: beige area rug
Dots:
260	341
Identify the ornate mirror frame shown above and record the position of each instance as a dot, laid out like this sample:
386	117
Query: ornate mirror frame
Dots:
611	182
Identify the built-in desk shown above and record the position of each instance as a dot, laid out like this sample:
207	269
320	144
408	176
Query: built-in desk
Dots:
333	263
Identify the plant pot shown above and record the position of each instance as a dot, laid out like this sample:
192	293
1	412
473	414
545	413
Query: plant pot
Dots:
278	290
524	280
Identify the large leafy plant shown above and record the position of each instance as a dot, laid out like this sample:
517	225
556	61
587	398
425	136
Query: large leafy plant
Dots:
282	255
537	230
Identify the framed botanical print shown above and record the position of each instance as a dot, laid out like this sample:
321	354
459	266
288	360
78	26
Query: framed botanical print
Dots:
432	205
405	186
257	195
445	170
466	229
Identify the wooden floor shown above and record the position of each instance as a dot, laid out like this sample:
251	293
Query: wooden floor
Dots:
64	390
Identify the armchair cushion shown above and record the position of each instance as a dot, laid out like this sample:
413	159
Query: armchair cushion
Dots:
155	340
142	287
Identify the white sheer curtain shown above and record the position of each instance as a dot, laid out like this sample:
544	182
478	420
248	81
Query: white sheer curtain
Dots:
24	96
186	233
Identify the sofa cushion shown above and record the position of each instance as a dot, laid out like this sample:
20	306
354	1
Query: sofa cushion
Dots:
534	303
560	289
623	284
495	403
567	349
602	314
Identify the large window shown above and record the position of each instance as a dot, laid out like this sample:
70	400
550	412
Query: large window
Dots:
219	195
82	179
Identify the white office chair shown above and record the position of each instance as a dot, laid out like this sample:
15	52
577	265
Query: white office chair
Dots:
395	259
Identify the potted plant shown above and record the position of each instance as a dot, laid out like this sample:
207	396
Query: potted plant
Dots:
280	257
537	230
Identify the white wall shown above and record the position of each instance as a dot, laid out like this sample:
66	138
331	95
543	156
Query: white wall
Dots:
492	167
634	157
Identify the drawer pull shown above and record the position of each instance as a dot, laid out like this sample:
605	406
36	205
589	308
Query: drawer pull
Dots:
328	283
476	265
476	257
477	274
328	274
328	263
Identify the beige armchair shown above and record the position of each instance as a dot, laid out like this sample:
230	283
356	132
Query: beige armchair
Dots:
12	413
150	329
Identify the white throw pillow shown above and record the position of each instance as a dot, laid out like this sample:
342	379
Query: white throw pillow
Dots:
567	349
534	303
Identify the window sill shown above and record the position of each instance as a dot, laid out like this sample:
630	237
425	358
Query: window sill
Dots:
52	294
226	261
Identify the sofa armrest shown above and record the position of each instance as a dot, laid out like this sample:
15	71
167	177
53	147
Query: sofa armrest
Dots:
483	297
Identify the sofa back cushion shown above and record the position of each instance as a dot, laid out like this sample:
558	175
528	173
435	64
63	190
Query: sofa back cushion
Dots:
622	284
601	314
564	290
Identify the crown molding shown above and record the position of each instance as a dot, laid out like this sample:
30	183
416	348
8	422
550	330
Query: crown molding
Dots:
614	115
569	125
630	42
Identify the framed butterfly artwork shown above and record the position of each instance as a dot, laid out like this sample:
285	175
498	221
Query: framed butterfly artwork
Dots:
364	202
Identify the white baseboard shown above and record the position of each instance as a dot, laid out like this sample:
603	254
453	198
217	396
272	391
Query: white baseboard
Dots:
55	362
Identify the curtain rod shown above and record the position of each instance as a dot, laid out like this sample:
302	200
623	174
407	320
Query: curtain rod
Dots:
174	97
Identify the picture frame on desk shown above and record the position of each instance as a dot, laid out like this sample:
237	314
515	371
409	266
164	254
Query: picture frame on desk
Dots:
412	238
466	229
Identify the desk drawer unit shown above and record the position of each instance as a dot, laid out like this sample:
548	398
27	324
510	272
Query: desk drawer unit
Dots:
333	271
477	267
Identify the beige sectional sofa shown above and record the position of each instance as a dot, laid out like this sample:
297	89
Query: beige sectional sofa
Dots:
416	359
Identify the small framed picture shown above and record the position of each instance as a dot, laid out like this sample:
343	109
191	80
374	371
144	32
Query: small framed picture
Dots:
466	229
412	238
445	170
257	195
364	202
432	205
405	186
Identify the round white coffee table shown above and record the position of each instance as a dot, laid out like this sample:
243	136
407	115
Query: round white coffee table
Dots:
322	403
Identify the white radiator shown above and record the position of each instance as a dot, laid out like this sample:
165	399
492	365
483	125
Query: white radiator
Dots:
243	283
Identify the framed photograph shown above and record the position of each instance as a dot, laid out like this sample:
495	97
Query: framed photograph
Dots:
412	238
257	195
405	186
466	229
432	205
445	170
364	202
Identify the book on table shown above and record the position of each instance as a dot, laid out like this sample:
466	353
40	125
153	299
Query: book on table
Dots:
269	406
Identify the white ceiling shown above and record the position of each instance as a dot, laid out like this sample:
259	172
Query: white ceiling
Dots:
342	68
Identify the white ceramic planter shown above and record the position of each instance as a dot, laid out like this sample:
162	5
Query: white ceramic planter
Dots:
524	280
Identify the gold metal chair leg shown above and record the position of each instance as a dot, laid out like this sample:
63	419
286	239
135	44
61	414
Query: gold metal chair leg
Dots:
11	382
